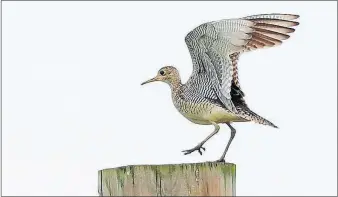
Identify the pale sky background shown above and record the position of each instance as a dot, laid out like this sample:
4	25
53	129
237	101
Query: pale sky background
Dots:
73	103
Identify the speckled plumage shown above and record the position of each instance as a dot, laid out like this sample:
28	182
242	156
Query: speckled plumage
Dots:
212	94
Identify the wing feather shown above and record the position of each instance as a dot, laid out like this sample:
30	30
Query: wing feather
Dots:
216	46
269	31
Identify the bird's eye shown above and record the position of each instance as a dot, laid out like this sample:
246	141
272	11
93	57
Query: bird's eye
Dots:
162	72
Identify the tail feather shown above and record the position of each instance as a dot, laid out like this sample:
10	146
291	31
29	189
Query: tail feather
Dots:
252	116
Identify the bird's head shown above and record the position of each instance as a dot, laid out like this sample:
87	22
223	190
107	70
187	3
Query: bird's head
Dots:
167	74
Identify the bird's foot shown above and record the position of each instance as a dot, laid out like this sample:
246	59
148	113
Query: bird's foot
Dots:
197	148
220	160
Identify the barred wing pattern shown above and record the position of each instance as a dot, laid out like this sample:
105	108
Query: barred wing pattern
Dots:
215	47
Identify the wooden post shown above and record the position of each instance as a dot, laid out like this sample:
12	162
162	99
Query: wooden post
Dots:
196	179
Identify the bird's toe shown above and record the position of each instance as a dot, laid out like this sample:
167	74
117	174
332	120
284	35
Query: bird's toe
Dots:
199	149
220	161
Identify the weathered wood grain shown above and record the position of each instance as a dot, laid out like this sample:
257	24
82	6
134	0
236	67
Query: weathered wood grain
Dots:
196	179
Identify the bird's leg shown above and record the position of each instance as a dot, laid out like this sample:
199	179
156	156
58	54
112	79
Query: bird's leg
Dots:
200	145
232	136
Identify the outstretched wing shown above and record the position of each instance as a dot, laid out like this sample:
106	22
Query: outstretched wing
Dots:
269	30
211	44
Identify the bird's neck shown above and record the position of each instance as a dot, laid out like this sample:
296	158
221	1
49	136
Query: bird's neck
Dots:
175	84
176	91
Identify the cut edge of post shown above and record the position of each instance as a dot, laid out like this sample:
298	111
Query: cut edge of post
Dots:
209	163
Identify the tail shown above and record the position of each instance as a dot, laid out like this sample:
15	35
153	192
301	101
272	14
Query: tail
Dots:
252	116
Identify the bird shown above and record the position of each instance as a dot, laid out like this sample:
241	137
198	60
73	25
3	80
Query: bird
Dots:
212	95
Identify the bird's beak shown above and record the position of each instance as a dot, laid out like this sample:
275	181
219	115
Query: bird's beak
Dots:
150	80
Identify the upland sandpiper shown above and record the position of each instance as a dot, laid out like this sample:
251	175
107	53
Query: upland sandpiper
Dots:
212	95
